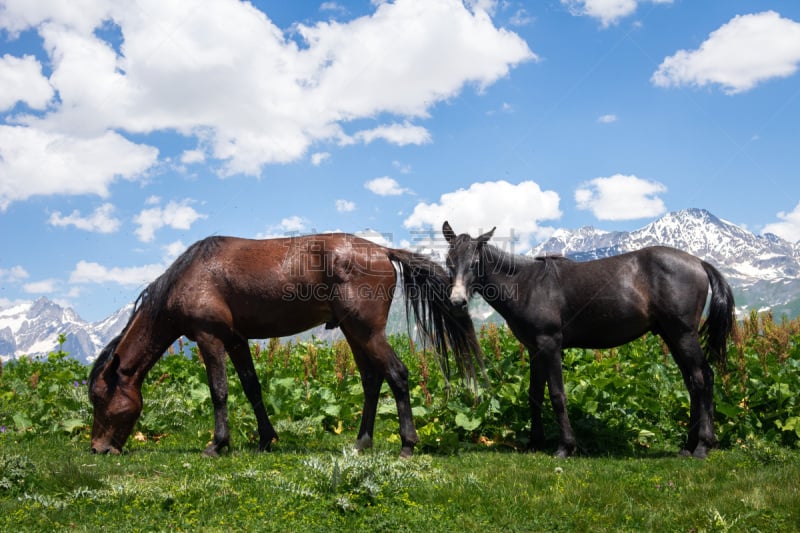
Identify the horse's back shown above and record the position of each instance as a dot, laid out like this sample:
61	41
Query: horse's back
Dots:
278	287
616	299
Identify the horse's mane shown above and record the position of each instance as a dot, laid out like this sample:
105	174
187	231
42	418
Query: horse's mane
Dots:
153	299
551	264
502	261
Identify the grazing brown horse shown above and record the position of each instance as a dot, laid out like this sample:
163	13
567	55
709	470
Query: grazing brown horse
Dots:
552	303
223	291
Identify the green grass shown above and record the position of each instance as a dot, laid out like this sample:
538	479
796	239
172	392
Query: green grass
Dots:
312	482
628	406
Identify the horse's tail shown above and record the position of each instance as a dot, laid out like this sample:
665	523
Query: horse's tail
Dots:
425	286
721	317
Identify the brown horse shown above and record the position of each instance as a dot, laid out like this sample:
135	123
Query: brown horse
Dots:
552	303
223	291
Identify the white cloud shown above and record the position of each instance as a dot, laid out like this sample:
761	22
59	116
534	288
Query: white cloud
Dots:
401	167
22	81
607	119
45	286
515	210
345	206
293	225
385	186
746	51
36	162
91	272
319	157
189	157
101	220
383	239
399	134
173	250
13	274
621	197
521	17
176	215
332	6
789	227
222	72
607	11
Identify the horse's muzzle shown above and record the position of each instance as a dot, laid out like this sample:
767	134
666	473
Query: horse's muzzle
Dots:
458	295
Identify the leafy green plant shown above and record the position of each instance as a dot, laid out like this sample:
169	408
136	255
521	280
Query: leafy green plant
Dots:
627	400
15	471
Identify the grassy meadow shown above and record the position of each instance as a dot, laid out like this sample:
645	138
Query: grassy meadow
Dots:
628	406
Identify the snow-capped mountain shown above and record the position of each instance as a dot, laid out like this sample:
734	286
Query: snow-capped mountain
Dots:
764	270
33	328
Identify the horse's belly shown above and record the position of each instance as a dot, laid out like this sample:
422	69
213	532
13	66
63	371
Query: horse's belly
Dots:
282	320
601	334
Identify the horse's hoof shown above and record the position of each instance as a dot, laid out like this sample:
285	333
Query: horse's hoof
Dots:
364	443
565	451
406	452
701	452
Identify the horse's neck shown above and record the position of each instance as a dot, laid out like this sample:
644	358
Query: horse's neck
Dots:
503	277
499	269
499	265
142	344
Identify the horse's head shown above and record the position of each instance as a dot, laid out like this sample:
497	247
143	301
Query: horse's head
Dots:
117	402
464	263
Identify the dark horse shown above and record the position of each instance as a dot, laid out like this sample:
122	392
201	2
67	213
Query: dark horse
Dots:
551	303
223	291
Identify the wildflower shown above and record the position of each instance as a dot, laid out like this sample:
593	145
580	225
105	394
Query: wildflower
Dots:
2	429
559	470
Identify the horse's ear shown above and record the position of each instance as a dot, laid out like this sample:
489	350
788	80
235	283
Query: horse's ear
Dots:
483	239
448	232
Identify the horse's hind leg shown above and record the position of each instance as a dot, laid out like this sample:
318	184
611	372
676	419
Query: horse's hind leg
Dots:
213	353
371	381
239	352
699	379
377	361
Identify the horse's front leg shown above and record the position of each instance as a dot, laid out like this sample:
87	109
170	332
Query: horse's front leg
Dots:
239	352
549	349
213	353
536	399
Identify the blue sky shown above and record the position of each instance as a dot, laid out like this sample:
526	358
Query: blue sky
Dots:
129	130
